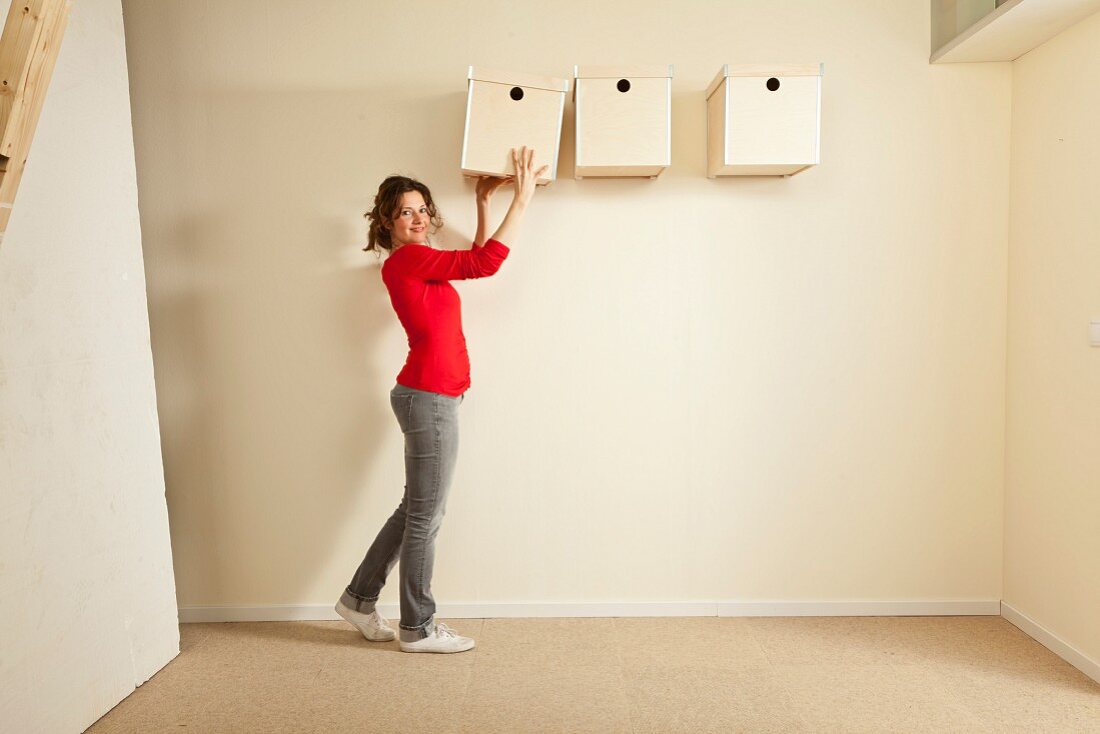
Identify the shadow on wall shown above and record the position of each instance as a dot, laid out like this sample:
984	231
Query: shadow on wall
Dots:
265	362
274	340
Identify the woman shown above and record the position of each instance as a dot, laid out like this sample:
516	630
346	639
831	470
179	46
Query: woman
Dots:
428	392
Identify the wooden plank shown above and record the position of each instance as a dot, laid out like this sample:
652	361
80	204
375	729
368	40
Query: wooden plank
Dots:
22	33
21	30
1013	29
28	99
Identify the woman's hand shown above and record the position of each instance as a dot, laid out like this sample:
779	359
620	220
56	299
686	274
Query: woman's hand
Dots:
486	185
525	179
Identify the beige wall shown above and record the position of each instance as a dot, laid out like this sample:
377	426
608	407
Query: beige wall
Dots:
683	389
1052	498
87	602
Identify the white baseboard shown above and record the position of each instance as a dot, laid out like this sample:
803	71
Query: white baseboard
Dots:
296	612
860	608
1051	641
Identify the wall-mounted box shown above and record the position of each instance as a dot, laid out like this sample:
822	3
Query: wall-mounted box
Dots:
506	110
764	120
623	120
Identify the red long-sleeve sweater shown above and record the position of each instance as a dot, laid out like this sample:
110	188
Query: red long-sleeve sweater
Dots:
429	308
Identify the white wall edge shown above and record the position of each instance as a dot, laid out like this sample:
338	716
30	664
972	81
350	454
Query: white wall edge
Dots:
1051	641
304	612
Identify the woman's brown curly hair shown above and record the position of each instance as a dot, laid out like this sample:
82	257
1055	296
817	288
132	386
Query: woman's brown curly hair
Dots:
387	204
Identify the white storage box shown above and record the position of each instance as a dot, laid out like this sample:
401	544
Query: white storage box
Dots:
764	120
506	110
623	120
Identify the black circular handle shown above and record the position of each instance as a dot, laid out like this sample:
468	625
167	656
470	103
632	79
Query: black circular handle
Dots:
773	84
623	85
516	94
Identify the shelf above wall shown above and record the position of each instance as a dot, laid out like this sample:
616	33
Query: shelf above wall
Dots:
1013	29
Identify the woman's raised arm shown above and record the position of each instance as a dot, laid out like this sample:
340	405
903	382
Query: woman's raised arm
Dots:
486	185
525	180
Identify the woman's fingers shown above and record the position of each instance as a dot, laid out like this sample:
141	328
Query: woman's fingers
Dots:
523	160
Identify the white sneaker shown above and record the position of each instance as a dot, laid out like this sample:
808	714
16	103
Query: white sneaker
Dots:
444	639
373	625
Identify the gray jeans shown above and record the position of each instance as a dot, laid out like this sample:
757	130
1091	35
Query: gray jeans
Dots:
429	421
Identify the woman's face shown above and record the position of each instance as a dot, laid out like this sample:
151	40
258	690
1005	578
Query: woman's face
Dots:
412	220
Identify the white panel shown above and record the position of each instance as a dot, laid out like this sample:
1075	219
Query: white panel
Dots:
769	127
